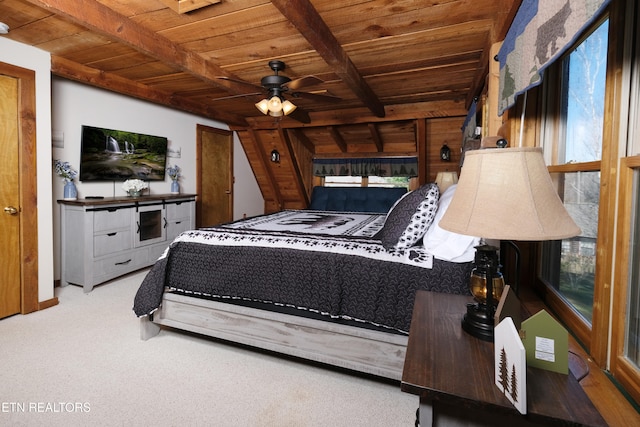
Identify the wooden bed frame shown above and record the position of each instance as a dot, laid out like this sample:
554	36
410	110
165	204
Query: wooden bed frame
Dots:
351	347
359	349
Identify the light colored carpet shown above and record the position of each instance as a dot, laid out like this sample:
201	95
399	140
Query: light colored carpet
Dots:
82	363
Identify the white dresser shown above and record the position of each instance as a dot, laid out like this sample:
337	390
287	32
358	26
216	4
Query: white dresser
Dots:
102	239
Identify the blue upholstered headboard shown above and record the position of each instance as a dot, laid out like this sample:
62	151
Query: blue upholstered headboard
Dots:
355	199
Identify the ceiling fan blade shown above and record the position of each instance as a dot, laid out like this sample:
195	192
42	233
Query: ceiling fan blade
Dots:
300	115
318	97
241	82
222	98
303	82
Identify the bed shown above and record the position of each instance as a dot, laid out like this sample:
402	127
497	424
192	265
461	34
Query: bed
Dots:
335	287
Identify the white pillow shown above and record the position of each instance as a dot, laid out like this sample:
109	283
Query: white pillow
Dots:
446	245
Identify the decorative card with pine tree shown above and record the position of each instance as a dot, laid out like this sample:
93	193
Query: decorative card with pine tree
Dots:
511	364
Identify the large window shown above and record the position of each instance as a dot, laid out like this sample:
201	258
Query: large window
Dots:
574	153
625	363
368	181
625	308
632	334
590	125
366	172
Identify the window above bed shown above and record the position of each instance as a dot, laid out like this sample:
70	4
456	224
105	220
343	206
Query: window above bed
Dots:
366	172
366	181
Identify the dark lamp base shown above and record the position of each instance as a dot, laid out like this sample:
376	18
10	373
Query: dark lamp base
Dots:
476	322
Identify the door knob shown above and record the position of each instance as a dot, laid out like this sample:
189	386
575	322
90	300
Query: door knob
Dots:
10	210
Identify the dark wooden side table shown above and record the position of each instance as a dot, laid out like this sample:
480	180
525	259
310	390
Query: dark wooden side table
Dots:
453	373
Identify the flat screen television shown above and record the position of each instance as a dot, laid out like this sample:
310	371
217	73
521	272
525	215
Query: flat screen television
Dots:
114	155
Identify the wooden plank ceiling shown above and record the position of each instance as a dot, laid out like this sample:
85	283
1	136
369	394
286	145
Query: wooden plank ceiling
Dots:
388	62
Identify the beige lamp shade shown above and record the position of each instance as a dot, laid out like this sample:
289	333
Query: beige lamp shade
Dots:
507	194
446	180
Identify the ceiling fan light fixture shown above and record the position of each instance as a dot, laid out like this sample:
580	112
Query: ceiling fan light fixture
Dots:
263	106
288	107
275	104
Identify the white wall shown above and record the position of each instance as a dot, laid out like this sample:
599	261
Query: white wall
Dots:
39	61
247	197
76	104
64	106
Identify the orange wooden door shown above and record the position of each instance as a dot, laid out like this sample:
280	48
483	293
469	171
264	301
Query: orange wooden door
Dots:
215	176
10	283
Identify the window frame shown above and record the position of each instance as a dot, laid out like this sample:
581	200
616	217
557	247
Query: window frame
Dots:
364	182
623	370
595	336
629	72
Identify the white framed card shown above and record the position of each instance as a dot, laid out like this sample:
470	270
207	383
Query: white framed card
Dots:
511	364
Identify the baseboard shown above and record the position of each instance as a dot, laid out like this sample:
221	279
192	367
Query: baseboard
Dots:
48	303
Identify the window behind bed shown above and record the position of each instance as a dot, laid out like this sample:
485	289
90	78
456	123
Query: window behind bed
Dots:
366	181
366	172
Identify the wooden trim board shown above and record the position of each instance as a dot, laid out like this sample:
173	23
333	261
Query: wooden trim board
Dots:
363	350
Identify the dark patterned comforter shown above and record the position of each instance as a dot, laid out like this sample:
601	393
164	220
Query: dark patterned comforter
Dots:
339	277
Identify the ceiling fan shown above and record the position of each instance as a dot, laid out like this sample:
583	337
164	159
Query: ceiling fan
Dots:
276	85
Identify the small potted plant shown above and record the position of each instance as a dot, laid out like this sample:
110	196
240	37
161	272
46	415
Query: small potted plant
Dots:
134	187
174	174
67	173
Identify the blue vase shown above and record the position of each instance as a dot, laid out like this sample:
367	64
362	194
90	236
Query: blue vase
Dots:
175	187
70	191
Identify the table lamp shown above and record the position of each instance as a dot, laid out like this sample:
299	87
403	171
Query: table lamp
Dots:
503	194
446	179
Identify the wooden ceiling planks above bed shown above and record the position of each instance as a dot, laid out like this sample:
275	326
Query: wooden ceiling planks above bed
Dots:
372	54
395	66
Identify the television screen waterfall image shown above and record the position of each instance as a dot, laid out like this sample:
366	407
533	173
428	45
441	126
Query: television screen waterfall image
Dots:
113	155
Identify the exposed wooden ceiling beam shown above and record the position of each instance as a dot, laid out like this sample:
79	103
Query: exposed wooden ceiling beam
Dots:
377	139
419	110
479	80
309	23
510	9
99	18
337	138
300	136
499	32
296	164
73	71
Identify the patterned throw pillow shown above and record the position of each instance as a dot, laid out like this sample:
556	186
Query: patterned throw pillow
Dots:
409	219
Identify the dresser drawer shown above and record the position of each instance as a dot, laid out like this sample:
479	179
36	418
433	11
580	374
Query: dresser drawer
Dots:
111	219
178	210
174	228
119	264
110	243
